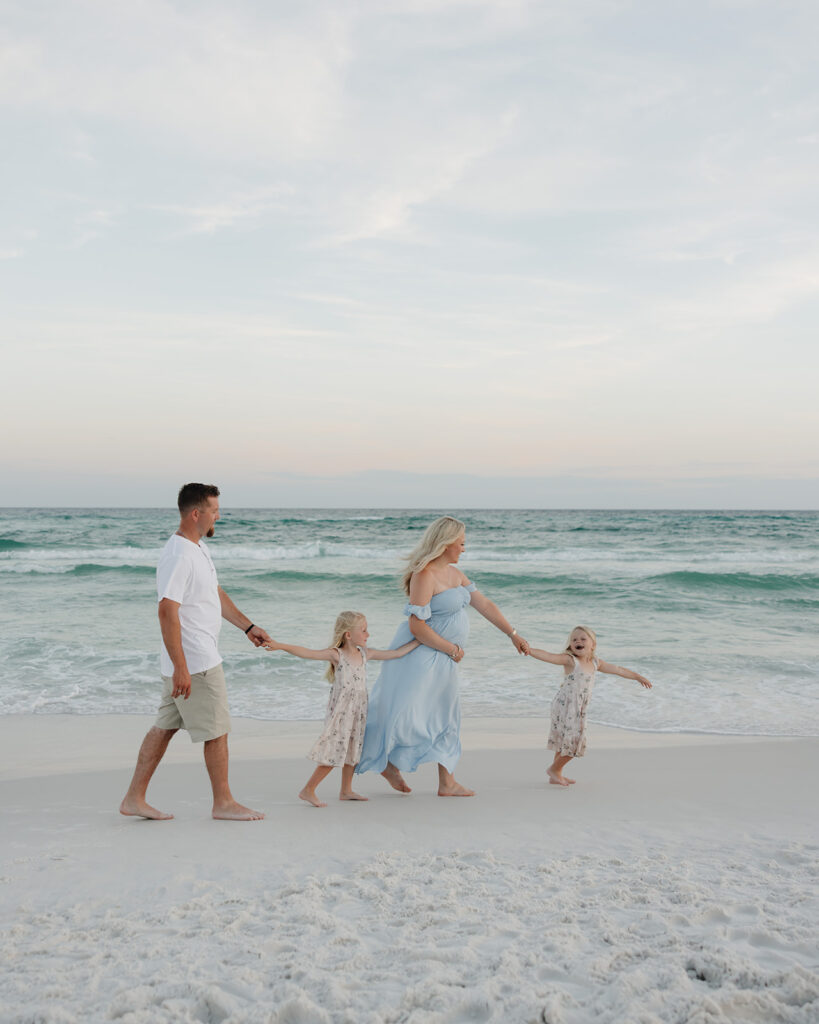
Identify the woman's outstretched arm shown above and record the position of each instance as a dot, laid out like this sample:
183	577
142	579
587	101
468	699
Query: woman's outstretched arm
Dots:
490	611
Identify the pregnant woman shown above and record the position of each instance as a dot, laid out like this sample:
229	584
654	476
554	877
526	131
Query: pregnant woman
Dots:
414	714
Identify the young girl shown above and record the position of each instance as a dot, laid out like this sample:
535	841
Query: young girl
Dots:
567	736
340	742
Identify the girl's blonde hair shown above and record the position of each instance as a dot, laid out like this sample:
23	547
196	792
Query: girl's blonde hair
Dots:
590	633
437	537
344	623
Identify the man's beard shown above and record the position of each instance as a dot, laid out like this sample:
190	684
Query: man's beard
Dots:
210	532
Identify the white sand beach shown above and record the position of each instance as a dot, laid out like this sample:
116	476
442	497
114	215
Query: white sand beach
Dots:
675	882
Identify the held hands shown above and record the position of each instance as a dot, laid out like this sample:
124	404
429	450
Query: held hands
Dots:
521	645
258	636
271	645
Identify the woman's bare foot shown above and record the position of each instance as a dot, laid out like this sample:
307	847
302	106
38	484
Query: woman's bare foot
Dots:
352	795
556	778
570	781
235	812
140	809
455	789
309	796
395	779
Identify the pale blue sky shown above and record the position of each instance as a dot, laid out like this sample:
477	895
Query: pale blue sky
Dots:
537	253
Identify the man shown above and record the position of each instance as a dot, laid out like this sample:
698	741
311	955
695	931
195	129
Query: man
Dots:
191	608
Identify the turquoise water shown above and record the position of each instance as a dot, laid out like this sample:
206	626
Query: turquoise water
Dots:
718	609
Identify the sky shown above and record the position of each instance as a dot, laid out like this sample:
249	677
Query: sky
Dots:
410	252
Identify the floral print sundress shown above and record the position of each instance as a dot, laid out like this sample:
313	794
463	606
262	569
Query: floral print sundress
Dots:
568	732
343	734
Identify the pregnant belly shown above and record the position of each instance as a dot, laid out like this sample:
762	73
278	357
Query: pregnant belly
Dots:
454	628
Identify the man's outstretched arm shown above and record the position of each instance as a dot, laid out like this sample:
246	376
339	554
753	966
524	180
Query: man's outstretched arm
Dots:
255	634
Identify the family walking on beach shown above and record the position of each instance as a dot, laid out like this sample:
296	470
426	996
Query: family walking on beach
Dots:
412	716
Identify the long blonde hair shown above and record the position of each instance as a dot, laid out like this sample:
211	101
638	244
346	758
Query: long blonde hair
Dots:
590	633
344	623
437	538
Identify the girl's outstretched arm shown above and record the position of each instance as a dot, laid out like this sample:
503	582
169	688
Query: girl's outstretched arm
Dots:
626	673
326	654
553	659
399	652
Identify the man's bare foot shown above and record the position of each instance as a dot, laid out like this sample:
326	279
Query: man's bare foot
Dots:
555	778
352	795
235	812
395	779
139	809
309	796
456	789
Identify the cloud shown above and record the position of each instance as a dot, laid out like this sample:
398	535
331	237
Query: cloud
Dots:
212	77
241	208
415	179
92	224
751	294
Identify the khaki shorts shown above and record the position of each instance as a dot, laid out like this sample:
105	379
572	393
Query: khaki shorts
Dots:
204	714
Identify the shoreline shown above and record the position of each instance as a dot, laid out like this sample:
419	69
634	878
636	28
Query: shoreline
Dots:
43	744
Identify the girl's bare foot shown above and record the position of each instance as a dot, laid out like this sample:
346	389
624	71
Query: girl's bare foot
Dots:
235	812
455	789
139	809
555	778
309	796
395	779
352	795
570	781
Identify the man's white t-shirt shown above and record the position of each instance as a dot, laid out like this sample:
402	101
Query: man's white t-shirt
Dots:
186	574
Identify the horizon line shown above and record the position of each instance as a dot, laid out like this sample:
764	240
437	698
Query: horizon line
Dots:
408	508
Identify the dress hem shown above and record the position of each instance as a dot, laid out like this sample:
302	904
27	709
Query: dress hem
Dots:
564	753
330	764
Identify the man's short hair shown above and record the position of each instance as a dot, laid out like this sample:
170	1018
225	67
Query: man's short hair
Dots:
193	496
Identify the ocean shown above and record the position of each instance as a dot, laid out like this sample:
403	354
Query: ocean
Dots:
718	609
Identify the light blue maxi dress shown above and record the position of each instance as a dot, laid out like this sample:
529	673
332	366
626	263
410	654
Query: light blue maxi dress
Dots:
414	713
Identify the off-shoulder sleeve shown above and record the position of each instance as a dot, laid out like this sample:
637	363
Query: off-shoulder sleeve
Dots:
420	611
471	586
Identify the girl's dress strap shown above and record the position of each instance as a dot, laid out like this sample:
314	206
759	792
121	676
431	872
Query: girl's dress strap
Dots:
363	652
420	611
